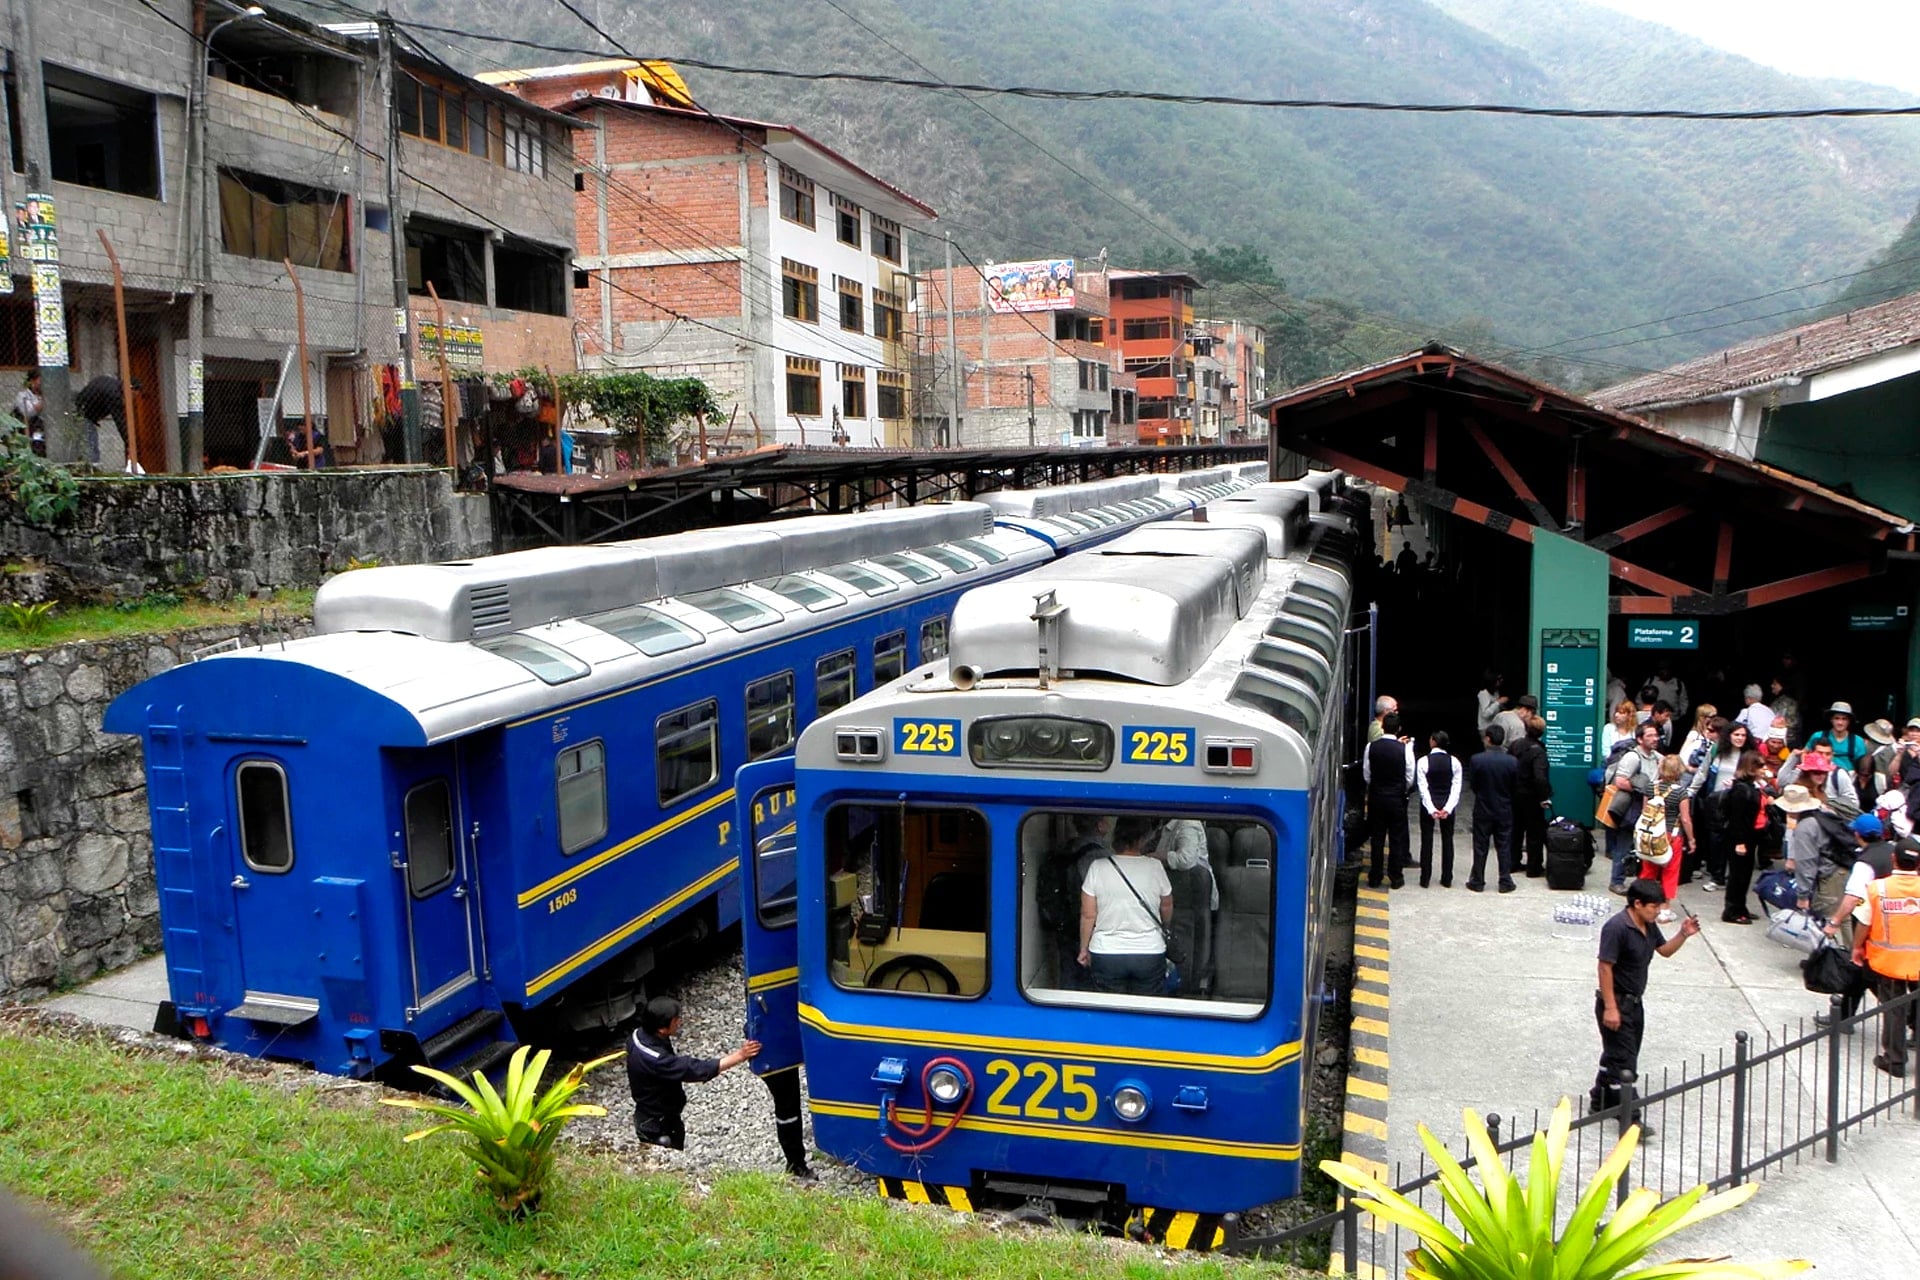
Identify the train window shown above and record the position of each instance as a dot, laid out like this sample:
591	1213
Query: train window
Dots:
1314	590
992	555
954	561
552	665
686	752
1292	705
908	567
769	715
863	579
907	904
810	596
1313	636
832	682
1206	901
775	844
1303	664
742	613
648	630
889	657
429	816
1319	610
933	639
266	816
580	775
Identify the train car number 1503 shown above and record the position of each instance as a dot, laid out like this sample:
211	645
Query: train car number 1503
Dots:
1155	744
926	737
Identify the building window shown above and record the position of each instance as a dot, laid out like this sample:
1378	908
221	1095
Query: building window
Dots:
769	715
886	239
432	112
1138	330
102	135
267	218
803	387
1097	331
580	781
453	258
853	391
796	197
892	394
1150	367
846	217
888	313
429	818
799	291
266	816
524	146
687	750
477	128
1156	408
852	317
528	277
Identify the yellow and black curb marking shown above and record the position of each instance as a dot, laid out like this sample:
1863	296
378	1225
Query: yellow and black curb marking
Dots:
1364	1142
926	1193
1178	1229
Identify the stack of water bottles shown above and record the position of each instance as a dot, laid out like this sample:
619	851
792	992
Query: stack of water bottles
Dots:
1579	918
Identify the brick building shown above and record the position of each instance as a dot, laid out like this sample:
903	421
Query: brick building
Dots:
1237	360
739	251
1153	310
285	162
1029	336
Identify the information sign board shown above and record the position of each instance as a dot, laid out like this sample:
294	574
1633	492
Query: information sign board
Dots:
1570	696
1663	633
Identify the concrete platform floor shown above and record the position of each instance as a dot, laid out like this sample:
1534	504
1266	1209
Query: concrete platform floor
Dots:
1491	1010
128	997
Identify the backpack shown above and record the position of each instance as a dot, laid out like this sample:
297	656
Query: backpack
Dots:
1057	897
1650	840
1614	756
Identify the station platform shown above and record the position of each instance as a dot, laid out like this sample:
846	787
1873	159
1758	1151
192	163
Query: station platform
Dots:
1481	1000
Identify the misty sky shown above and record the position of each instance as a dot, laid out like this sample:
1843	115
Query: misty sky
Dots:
1873	40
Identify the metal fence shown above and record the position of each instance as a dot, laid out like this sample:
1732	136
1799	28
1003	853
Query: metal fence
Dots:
1748	1112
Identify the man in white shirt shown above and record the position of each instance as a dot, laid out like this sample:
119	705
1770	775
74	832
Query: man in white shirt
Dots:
1669	688
1438	776
1756	715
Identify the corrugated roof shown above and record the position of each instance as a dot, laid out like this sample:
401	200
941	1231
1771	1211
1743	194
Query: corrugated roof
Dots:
1457	366
1814	348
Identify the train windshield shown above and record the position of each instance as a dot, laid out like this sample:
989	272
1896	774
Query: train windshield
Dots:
1162	912
907	898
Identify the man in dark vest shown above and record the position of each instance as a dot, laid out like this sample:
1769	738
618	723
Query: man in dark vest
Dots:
1494	777
1533	796
1388	769
1439	776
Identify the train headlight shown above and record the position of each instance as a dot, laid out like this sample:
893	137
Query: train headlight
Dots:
1040	742
945	1085
1131	1102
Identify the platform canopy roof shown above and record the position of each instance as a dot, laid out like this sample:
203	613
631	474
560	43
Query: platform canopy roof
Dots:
1689	528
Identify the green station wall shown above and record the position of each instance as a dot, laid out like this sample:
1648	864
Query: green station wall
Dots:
1570	581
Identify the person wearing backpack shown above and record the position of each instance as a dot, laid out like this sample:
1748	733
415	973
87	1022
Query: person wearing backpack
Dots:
1656	834
1058	896
1635	777
1849	749
1727	742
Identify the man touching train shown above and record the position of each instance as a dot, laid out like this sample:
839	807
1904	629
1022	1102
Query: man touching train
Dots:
656	1073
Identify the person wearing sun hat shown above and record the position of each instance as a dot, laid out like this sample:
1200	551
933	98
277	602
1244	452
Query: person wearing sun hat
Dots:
1891	809
1882	748
1842	791
1849	748
1904	773
1819	844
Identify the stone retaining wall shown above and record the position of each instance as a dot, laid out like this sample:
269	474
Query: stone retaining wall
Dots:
243	533
77	891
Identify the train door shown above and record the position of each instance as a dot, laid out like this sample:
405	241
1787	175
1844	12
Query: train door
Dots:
765	819
271	893
430	854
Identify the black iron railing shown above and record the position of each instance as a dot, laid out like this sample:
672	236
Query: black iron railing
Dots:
1746	1115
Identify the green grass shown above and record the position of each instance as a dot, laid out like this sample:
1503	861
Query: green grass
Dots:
149	615
184	1168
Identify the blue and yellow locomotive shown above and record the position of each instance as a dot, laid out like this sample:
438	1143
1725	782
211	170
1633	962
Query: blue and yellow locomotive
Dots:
501	788
907	938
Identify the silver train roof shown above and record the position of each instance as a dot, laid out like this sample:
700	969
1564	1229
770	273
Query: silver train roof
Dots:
1060	499
472	599
1150	606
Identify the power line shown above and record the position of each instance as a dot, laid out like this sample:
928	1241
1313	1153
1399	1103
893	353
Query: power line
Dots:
1058	94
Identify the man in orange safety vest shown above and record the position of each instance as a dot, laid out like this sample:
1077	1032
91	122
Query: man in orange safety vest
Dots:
1890	947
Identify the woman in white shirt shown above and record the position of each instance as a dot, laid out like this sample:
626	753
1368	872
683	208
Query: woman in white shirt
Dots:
1626	719
1126	904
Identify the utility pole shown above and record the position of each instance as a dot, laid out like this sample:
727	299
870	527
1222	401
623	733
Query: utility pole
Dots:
953	350
193	440
397	240
1031	441
56	389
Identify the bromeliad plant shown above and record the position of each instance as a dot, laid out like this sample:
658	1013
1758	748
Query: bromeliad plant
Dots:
1509	1228
511	1134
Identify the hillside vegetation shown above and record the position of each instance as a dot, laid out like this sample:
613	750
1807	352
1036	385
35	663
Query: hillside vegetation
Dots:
1533	231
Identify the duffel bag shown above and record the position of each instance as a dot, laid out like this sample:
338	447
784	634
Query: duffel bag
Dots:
1832	972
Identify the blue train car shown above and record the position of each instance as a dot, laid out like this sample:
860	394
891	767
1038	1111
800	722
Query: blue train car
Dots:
502	787
912	923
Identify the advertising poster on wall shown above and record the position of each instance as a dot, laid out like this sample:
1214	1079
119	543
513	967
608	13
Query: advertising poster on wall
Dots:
36	233
1030	286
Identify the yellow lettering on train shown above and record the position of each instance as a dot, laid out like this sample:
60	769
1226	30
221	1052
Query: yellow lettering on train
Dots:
726	831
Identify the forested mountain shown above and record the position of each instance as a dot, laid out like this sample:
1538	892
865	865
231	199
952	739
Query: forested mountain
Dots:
1385	228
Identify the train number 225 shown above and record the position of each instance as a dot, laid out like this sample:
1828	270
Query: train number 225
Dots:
1156	744
926	737
1075	1085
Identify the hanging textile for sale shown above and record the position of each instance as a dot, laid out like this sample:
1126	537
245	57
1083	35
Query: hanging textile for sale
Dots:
473	398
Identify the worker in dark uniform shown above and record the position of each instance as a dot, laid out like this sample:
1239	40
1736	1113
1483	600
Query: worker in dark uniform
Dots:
655	1073
1388	770
1628	942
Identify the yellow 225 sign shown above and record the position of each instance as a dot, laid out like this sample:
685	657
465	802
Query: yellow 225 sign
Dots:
1156	744
1041	1079
926	737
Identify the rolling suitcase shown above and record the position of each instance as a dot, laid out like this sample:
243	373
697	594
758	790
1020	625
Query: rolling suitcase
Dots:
1569	853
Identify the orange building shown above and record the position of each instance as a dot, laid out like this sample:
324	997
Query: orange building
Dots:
1153	321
